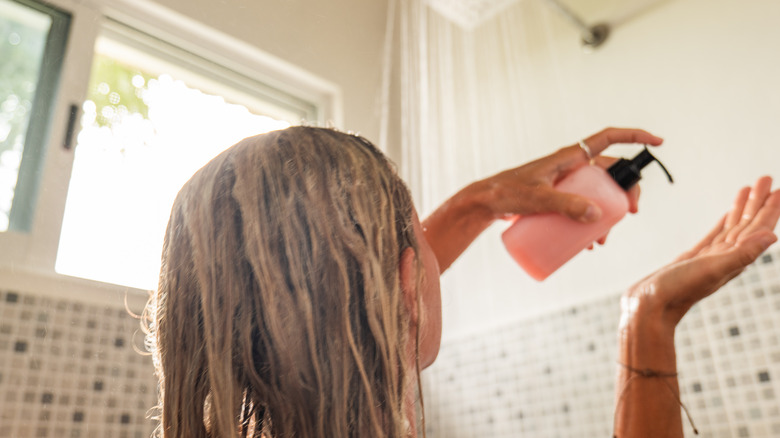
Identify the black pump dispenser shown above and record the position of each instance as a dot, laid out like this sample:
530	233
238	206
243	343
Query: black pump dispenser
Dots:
626	173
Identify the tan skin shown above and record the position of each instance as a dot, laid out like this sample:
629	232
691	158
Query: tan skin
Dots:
525	190
652	308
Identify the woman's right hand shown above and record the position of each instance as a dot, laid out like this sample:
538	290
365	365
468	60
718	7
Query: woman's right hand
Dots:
742	235
649	407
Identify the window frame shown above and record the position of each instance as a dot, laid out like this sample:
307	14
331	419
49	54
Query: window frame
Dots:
28	179
33	252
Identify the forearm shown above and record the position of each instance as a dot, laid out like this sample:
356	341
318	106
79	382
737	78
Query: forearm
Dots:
457	222
647	391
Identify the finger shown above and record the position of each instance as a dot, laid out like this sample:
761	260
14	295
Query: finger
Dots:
574	156
713	271
633	198
565	161
600	141
705	242
766	218
734	215
758	196
756	199
579	208
746	252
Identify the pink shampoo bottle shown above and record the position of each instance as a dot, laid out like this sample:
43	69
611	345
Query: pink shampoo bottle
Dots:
542	243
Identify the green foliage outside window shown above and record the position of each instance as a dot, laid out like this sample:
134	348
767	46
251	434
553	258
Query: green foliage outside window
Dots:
117	90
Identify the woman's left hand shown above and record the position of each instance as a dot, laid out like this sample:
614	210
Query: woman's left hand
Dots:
525	190
529	189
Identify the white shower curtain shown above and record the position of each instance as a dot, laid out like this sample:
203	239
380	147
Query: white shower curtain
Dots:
470	107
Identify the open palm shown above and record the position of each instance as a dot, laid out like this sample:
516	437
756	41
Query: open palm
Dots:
737	240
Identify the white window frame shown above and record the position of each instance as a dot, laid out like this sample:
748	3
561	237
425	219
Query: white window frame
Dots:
29	257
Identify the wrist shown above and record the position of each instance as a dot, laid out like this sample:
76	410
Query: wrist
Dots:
646	335
478	199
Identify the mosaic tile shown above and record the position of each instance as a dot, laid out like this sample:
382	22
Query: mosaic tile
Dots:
553	375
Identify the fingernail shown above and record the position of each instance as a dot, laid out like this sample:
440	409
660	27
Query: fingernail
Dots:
593	213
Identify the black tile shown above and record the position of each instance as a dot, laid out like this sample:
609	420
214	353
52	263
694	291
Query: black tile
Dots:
734	331
47	398
766	258
119	342
697	387
125	419
98	386
20	346
12	297
78	417
763	376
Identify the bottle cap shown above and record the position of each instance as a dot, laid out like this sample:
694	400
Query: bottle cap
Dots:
626	173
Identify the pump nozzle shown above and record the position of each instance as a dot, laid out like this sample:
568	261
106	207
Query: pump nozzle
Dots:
626	173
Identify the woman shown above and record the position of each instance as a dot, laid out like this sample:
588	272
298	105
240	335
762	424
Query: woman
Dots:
299	292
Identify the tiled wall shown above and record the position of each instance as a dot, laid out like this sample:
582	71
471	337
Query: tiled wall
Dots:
69	369
554	376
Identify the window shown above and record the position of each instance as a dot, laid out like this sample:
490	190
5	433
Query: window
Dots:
153	116
32	44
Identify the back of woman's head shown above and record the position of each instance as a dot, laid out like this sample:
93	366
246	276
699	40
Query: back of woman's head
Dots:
278	312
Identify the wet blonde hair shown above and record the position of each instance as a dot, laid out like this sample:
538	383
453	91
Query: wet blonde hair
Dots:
279	310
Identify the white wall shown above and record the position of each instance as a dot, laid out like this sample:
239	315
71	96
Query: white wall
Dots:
701	73
338	40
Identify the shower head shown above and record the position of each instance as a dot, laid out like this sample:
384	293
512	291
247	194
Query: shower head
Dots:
469	14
